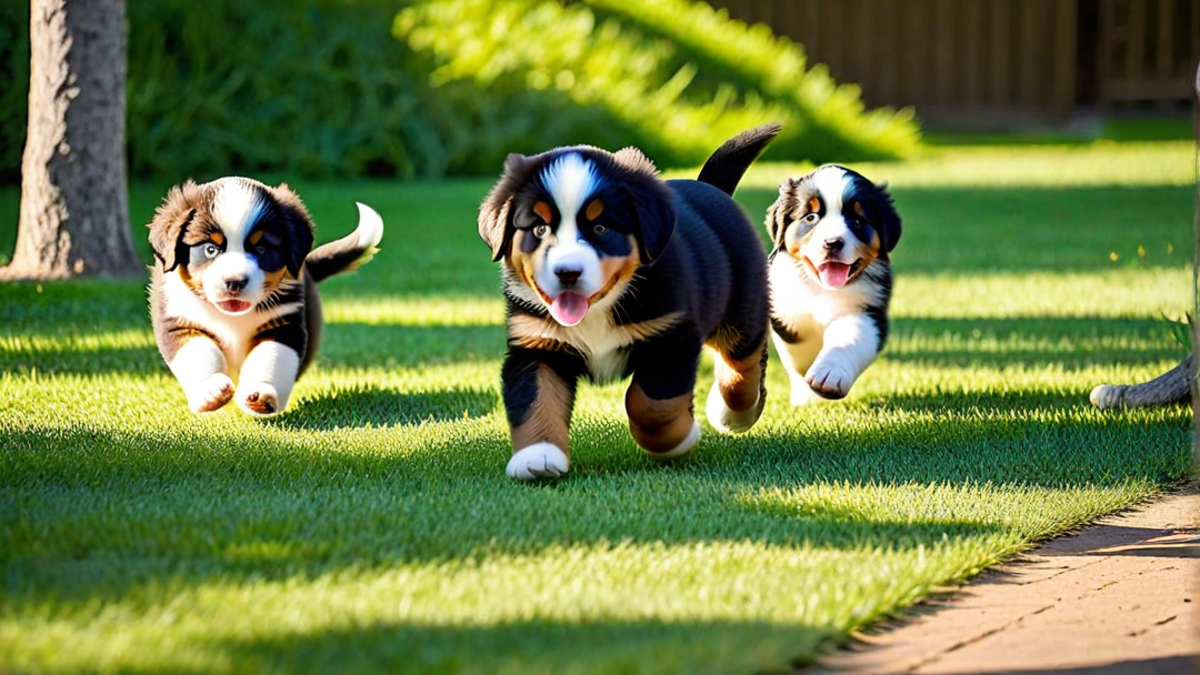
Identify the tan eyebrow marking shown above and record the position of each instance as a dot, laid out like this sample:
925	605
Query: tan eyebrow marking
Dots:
858	209
218	238
255	236
542	210
594	209
814	204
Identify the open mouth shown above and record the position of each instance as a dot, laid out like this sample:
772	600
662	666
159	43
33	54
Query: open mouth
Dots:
568	307
834	274
233	306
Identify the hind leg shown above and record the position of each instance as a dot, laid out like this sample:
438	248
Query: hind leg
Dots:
659	400
664	428
739	392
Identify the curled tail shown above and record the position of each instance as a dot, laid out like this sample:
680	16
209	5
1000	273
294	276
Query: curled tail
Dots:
349	252
725	168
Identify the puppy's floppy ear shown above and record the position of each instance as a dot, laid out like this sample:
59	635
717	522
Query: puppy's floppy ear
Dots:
495	213
888	218
652	201
655	218
170	223
297	224
777	213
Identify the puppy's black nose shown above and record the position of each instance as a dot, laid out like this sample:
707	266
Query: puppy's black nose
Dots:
567	277
236	284
835	244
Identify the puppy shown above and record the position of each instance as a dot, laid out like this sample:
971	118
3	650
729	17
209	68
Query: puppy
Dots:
611	272
831	281
233	296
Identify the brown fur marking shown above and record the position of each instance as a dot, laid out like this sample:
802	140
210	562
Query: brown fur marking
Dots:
549	416
658	426
740	382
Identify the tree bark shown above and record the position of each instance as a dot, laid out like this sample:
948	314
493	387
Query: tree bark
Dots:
74	206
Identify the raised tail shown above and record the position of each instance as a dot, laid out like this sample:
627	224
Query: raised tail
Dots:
349	252
725	168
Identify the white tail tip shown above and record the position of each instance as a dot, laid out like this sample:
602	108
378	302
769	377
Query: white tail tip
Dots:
370	226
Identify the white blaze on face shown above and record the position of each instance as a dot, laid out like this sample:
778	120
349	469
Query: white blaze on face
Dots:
833	267
830	182
236	209
570	180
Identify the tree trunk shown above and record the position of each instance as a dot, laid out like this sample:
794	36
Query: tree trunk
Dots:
74	206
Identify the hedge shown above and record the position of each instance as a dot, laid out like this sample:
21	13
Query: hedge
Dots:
325	88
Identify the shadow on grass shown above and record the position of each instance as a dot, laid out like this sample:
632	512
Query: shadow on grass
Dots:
515	648
349	346
1075	342
241	503
381	407
1069	342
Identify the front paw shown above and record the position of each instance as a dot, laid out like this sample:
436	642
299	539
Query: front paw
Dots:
261	400
830	379
211	394
540	460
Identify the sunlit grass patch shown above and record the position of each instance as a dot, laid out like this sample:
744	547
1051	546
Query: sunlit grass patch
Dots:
371	528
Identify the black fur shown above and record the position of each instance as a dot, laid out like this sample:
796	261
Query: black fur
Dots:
701	259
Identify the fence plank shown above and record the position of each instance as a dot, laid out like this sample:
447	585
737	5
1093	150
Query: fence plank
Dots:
1000	54
1164	41
1065	59
1136	56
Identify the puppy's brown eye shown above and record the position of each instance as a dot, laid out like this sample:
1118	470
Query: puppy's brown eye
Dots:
540	231
211	251
260	249
599	230
810	218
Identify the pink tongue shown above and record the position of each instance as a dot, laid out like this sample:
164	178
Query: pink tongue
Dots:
569	308
834	274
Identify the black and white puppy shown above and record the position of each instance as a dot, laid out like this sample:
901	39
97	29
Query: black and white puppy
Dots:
233	296
831	232
611	272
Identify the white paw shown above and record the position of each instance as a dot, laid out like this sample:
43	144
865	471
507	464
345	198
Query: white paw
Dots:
685	446
830	379
1106	396
540	460
261	400
212	393
725	420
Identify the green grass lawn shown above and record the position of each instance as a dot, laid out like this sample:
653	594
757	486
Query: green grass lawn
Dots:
371	528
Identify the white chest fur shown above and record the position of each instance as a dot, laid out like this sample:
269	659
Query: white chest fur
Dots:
795	298
233	333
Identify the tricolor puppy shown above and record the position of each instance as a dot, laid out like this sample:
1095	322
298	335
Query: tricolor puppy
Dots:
233	297
831	281
611	272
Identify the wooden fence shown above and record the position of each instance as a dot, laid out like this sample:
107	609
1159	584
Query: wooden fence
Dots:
996	62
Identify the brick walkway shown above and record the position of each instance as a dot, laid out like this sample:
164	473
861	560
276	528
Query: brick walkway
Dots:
1122	596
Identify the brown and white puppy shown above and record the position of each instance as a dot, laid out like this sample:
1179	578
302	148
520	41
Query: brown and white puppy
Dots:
233	297
831	280
611	272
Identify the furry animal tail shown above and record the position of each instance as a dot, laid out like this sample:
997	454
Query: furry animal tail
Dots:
1173	386
349	252
725	168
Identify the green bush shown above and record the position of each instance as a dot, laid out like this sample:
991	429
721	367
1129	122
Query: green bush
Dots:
316	88
674	77
824	121
323	88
